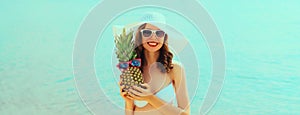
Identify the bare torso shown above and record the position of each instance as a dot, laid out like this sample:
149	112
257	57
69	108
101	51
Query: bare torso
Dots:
157	81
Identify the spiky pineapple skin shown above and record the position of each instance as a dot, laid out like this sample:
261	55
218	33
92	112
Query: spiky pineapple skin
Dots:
130	77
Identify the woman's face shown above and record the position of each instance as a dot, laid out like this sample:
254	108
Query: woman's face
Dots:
154	42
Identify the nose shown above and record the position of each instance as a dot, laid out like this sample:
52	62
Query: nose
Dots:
153	36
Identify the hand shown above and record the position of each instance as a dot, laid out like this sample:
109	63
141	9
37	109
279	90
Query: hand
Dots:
124	95
139	93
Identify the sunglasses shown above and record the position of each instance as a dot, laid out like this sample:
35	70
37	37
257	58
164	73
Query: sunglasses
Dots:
147	33
134	63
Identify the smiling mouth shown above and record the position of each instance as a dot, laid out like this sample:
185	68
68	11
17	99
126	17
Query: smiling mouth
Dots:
152	44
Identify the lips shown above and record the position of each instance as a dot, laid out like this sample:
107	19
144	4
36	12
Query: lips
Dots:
152	44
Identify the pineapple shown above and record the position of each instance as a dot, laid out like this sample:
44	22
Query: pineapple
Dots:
125	52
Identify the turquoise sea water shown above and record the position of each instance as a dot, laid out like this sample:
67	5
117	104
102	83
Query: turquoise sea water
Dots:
261	40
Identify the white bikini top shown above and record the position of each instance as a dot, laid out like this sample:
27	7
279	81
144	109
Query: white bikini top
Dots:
167	94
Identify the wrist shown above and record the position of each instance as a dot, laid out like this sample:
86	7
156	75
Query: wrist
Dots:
129	104
150	98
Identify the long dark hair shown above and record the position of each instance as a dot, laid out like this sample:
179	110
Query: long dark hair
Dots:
165	56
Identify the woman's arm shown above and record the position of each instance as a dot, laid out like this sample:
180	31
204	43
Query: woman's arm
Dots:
179	81
129	107
129	104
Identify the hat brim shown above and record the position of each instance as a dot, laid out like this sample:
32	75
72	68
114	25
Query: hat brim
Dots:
176	41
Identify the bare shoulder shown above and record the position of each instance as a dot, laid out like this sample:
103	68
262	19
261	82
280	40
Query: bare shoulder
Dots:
178	70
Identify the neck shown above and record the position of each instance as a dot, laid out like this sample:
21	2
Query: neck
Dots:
151	57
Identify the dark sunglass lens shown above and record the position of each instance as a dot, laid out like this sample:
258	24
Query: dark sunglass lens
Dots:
123	65
136	63
160	34
147	33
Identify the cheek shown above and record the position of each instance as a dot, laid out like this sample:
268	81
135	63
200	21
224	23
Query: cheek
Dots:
145	46
159	46
143	41
161	40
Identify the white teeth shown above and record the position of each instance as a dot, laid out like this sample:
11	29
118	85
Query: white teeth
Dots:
152	43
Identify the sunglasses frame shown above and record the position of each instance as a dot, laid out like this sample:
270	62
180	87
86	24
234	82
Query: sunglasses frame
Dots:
153	31
130	63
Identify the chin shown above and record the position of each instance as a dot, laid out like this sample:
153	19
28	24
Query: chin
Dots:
152	50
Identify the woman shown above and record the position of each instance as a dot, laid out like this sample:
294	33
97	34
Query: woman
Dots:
158	72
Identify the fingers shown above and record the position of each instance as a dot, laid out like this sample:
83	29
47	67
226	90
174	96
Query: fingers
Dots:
145	85
129	97
134	92
138	88
122	87
126	96
133	96
123	94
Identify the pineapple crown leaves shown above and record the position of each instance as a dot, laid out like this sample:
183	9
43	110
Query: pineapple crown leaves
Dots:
125	46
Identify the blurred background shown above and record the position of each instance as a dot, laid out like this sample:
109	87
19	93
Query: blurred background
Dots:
261	40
